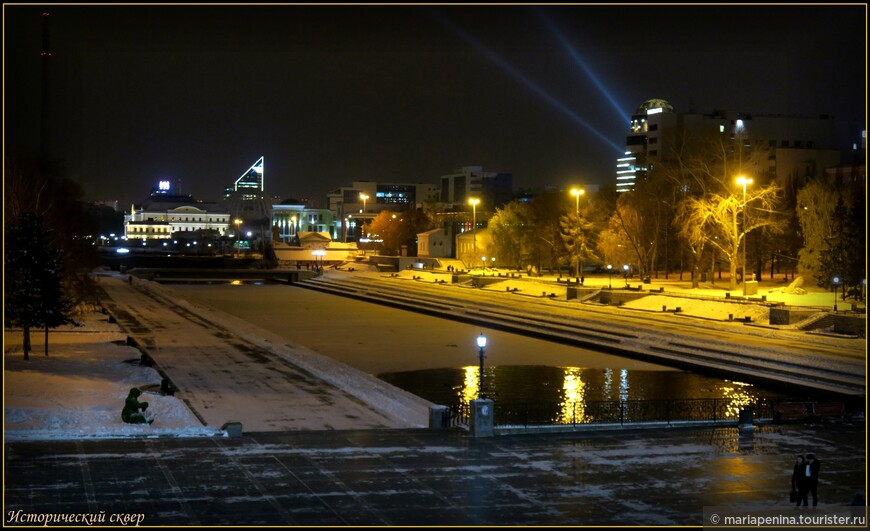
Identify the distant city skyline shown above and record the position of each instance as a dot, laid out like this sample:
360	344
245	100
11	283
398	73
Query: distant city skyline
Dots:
334	94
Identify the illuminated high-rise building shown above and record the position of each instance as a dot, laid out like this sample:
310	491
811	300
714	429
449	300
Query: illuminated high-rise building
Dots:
798	147
250	184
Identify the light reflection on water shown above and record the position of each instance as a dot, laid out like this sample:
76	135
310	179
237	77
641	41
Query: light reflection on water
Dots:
570	390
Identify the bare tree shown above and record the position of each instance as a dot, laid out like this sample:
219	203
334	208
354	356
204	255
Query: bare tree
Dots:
718	221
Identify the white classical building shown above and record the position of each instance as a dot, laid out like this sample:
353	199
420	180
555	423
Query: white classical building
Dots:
435	243
164	214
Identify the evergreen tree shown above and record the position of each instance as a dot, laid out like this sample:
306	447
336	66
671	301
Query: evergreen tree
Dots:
34	295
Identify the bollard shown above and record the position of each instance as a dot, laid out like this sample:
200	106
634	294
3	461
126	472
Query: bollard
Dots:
481	418
439	417
745	424
233	429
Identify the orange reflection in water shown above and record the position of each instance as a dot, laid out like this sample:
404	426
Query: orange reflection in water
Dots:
573	406
737	397
470	385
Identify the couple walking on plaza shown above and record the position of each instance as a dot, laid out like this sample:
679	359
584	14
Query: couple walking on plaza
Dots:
805	480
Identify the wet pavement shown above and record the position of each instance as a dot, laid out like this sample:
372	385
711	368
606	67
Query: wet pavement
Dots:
432	477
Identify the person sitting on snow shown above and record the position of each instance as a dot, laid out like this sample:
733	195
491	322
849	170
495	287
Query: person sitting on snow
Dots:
131	412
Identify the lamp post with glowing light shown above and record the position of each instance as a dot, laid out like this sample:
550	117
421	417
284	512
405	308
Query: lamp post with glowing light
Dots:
364	198
577	192
238	223
319	253
481	343
610	276
836	282
474	202
744	181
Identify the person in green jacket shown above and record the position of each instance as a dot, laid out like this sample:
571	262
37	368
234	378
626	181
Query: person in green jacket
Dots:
131	412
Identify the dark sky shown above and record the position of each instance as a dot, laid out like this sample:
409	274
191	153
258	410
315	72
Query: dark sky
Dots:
332	94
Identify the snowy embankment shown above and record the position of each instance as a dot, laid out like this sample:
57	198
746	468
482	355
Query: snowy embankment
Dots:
78	390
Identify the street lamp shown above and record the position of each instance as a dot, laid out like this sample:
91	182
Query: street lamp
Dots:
474	202
577	192
238	223
481	343
364	198
319	253
744	181
483	259
836	281
625	268
610	274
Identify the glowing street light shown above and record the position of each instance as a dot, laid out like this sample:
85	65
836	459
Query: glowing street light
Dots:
236	247
744	181
481	343
625	268
836	282
319	253
364	198
577	192
610	274
473	201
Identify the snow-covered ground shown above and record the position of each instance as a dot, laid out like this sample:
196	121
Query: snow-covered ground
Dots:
78	390
697	302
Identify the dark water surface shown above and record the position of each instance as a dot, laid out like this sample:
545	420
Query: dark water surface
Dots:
436	358
567	394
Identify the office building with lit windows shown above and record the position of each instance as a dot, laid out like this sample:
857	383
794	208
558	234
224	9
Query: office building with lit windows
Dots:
799	147
364	200
493	188
251	184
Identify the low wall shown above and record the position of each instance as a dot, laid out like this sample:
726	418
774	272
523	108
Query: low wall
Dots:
578	292
785	316
617	298
855	325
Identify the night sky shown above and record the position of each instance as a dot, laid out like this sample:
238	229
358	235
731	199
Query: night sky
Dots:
333	94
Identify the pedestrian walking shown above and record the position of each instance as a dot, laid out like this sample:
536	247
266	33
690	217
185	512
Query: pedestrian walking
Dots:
797	479
812	478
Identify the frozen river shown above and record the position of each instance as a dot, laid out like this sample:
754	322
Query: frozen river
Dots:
437	359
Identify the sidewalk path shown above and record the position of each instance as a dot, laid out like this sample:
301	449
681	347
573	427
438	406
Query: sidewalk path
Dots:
429	477
225	374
